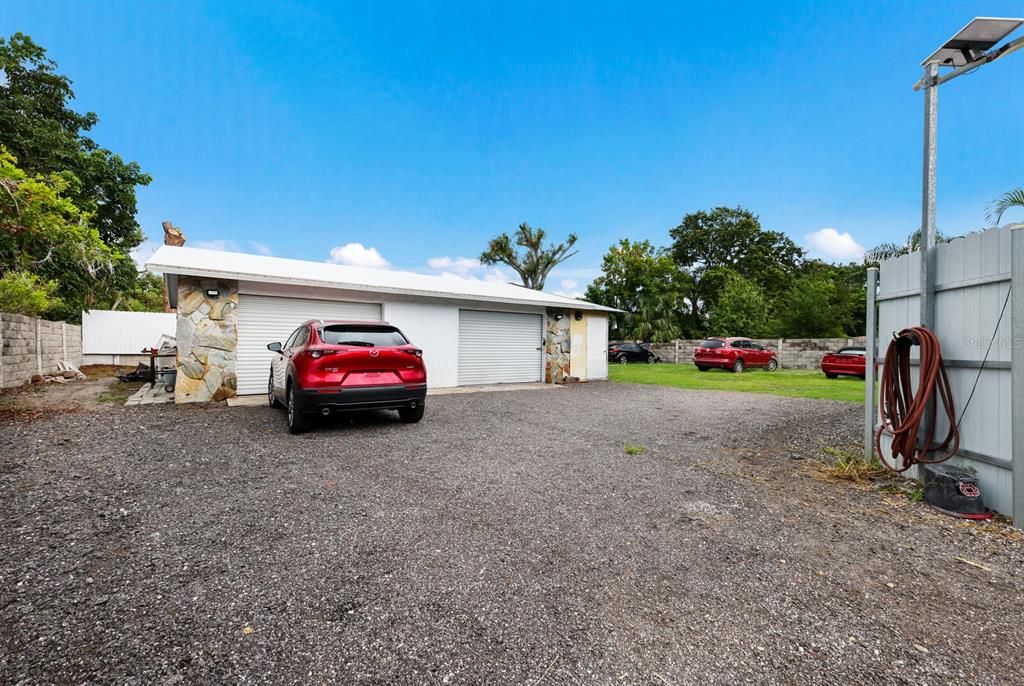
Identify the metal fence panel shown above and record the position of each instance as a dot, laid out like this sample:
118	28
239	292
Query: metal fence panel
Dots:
972	282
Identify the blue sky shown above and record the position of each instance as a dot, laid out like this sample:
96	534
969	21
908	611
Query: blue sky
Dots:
420	130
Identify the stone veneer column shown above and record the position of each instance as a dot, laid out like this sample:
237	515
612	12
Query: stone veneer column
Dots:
556	346
207	337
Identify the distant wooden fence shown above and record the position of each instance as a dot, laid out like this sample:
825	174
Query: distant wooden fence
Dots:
30	345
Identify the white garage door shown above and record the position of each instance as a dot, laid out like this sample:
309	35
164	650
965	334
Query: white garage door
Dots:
264	319
499	347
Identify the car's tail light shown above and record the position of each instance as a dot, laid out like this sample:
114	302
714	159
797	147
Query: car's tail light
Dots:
417	352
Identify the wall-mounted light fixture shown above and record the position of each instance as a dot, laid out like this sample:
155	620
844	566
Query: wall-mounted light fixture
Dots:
578	316
212	292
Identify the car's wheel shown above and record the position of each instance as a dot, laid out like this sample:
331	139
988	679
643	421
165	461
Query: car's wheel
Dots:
271	398
411	415
773	364
738	366
622	359
830	375
297	423
651	359
703	368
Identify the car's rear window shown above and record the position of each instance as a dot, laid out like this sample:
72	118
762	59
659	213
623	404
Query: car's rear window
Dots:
712	343
850	351
370	336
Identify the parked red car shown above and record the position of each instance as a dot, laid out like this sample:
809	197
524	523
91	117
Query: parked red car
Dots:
847	361
735	354
336	366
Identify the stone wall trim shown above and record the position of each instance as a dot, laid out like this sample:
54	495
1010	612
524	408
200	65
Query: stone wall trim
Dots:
207	338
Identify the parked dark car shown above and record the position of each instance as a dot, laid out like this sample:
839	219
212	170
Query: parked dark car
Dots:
734	354
631	352
846	361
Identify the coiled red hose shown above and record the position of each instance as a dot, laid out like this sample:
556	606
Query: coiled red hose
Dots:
903	410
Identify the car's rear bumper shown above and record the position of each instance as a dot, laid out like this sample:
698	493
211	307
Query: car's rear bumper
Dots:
712	362
315	401
842	369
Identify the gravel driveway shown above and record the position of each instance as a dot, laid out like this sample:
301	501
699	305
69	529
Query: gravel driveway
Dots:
507	538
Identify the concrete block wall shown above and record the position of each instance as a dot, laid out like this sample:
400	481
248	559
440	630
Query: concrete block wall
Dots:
793	353
30	345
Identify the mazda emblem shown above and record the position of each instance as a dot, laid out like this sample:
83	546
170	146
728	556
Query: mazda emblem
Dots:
374	353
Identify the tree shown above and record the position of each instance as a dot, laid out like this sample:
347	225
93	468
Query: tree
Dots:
741	310
536	262
23	293
45	236
812	307
147	295
642	281
712	246
39	128
887	251
849	288
998	207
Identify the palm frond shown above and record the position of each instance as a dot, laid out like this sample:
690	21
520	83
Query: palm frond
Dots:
997	208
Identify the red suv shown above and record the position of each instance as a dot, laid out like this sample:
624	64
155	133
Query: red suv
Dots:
335	366
735	354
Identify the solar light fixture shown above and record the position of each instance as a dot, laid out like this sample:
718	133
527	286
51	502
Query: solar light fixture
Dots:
970	42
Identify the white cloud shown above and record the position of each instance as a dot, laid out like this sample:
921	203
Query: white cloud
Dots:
358	255
831	244
469	268
459	265
231	245
492	275
568	284
261	248
226	245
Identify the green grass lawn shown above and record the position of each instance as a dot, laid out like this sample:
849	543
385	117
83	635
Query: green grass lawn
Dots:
796	383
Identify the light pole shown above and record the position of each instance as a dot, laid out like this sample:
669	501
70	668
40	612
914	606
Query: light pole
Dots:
969	49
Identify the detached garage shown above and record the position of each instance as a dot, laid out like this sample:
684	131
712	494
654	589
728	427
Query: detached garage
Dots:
231	305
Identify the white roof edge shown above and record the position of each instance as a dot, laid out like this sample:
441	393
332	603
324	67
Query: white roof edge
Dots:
245	267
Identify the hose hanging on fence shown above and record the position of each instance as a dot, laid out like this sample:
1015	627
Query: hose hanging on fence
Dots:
902	410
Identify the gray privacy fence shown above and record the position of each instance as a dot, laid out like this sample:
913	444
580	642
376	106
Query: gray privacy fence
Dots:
29	345
793	353
976	313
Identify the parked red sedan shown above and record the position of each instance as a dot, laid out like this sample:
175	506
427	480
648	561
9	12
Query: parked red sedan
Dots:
734	354
846	361
337	366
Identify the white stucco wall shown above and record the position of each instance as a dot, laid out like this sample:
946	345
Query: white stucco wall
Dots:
431	324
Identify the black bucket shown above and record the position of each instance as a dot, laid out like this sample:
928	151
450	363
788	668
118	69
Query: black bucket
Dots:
954	490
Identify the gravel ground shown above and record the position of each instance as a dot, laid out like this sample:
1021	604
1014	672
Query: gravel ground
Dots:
507	538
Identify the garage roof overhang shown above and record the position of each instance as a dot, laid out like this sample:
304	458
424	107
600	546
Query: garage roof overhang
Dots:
216	264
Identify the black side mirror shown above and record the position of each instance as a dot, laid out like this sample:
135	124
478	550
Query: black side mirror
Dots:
274	347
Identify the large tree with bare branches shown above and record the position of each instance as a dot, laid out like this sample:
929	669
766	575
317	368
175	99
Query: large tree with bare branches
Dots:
535	261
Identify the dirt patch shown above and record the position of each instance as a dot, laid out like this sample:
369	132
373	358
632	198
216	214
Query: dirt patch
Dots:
93	394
